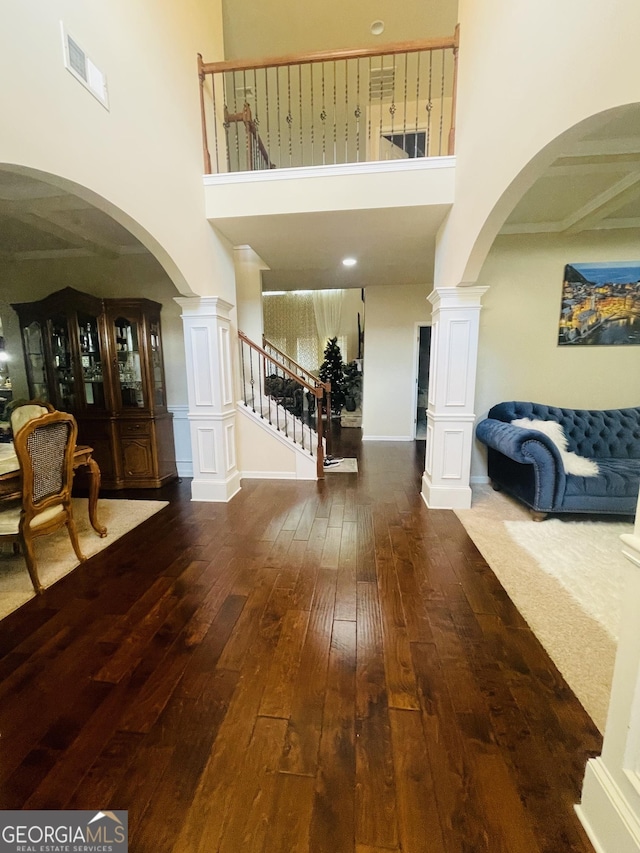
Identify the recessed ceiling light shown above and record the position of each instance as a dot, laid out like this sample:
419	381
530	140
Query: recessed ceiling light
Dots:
377	28
349	262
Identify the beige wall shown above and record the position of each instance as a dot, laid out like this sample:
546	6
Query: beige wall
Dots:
519	358
132	276
390	359
528	71
257	28
141	160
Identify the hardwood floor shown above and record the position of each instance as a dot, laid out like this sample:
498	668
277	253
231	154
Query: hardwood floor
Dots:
312	667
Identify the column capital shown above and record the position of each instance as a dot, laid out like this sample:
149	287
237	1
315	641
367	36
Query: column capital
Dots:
204	306
467	296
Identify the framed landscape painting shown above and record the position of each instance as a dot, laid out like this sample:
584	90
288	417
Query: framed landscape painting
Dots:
600	304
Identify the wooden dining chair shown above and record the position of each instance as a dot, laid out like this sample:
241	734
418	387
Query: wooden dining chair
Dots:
44	447
23	412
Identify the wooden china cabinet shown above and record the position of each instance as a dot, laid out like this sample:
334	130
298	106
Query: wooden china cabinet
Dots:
101	360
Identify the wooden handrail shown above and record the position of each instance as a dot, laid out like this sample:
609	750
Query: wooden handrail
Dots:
267	343
331	55
317	391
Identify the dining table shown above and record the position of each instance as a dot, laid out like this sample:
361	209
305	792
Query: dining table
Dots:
11	478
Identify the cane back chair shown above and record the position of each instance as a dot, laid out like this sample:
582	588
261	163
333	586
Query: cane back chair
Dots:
44	447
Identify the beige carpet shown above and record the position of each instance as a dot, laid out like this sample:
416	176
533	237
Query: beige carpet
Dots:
565	576
55	554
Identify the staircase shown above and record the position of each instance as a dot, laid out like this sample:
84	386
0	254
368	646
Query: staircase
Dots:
286	401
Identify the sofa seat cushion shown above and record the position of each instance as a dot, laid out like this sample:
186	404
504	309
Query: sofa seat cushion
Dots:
618	480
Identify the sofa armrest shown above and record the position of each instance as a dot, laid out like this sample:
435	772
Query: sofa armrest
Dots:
528	447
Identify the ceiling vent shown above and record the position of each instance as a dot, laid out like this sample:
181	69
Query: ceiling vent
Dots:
381	83
83	69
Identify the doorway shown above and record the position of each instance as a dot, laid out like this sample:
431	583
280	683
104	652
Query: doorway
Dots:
422	381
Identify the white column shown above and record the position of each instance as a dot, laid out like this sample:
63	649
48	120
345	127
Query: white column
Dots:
209	347
452	379
610	807
248	268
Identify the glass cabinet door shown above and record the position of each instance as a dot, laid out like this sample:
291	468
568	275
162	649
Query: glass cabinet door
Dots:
127	339
91	361
157	371
36	367
63	377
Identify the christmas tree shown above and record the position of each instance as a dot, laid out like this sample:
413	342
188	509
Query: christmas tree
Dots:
332	370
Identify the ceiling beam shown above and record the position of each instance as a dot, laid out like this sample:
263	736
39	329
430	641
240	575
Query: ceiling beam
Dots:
613	198
75	234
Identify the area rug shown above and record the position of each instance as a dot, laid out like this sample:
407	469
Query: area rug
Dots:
55	554
347	466
565	576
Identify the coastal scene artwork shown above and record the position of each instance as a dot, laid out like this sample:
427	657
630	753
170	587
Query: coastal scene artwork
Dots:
600	304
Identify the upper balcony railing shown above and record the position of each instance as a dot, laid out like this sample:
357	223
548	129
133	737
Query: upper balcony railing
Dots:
344	106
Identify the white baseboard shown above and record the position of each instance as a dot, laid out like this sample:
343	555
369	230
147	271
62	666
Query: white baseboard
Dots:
185	469
269	475
480	480
215	491
610	821
387	438
445	497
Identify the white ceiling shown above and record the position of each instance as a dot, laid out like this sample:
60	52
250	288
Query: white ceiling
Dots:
39	221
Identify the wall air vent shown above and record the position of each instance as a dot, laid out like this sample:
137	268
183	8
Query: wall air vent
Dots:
381	83
83	69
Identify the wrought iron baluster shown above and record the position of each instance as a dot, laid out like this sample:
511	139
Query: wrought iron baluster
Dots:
419	55
261	366
235	121
357	110
301	163
441	103
278	114
404	110
323	119
289	118
370	119
381	96
346	112
311	75
335	115
392	108
266	97
252	381
215	119
429	107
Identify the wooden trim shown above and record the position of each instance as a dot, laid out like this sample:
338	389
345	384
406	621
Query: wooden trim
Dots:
329	55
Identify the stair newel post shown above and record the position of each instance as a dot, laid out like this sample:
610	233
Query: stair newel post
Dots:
320	448
329	437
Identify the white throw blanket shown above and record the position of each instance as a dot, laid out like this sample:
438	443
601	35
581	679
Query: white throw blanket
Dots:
573	463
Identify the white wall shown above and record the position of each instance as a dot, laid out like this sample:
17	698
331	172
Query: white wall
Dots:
390	359
141	160
528	71
519	358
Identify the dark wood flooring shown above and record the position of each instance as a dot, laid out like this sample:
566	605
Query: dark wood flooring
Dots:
321	667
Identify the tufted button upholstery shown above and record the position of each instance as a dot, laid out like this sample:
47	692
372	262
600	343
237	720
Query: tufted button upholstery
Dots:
597	434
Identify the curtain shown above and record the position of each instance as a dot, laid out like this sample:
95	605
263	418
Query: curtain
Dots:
290	325
327	306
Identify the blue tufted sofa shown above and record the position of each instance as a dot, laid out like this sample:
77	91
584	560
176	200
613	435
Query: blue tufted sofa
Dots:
527	464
